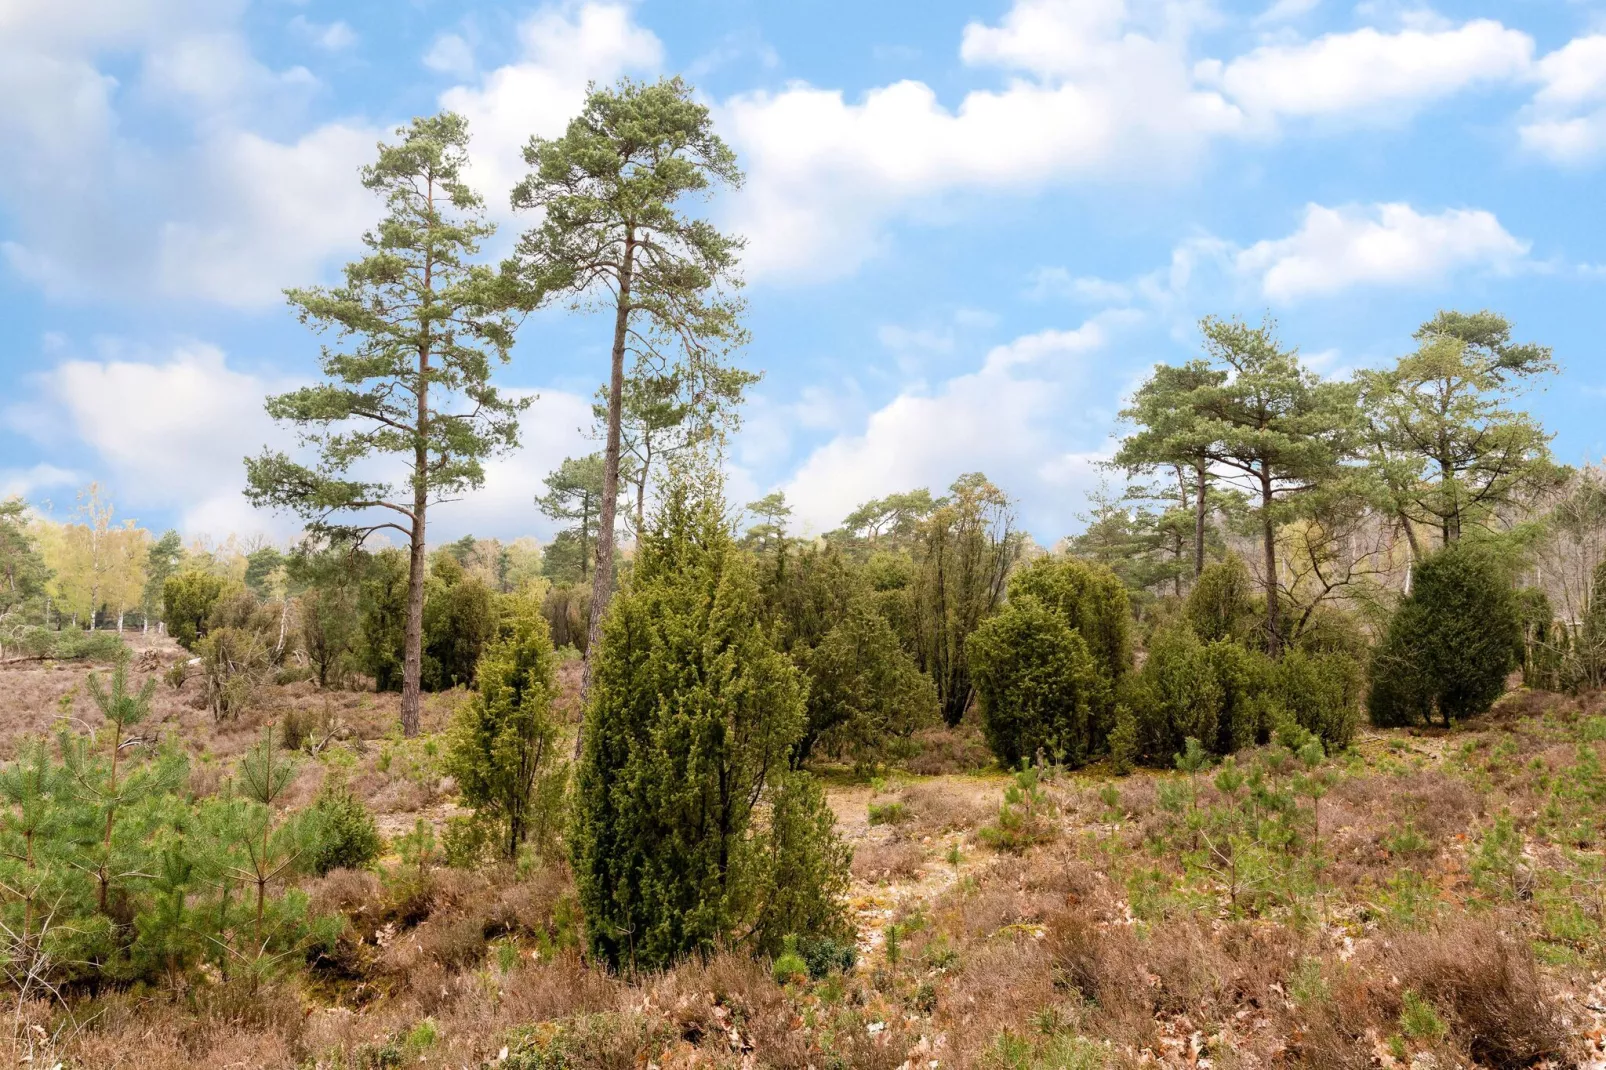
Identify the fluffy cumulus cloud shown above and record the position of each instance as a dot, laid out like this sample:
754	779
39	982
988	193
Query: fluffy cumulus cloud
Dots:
1087	91
1386	244
334	36
221	211
270	214
1092	92
1332	250
234	213
37	480
167	432
450	54
1009	419
554	427
1369	72
170	431
1567	121
1097	90
564	49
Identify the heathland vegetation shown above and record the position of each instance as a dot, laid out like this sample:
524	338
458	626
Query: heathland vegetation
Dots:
1294	755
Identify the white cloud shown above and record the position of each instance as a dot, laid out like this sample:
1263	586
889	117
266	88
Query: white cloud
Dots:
1108	97
565	48
274	215
450	54
27	482
1334	249
550	430
1567	121
219	210
1047	282
1370	72
1287	11
1096	90
171	433
915	340
1338	248
215	74
334	36
57	109
1014	419
1043	346
1046	37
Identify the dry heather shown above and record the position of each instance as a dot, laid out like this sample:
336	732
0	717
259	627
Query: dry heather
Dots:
1428	900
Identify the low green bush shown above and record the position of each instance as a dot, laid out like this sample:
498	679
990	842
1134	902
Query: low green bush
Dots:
68	644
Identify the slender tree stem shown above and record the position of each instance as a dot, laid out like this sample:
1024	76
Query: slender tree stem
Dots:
1269	536
1200	510
602	579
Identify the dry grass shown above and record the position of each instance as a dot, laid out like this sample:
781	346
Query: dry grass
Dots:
1108	936
879	863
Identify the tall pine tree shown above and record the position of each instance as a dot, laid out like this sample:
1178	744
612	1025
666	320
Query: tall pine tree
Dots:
615	234
427	326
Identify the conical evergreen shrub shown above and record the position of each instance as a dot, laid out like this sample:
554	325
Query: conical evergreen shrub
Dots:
502	745
689	831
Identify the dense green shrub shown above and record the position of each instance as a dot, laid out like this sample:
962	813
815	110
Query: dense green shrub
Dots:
796	882
1176	695
866	695
866	698
348	837
1091	600
1047	667
1322	693
1036	685
187	603
502	745
891	575
68	644
384	618
1330	630
1450	644
325	582
328	620
689	831
460	615
1223	603
567	609
459	619
1247	706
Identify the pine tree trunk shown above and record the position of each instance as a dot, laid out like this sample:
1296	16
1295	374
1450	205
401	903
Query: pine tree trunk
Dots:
602	579
111	818
1199	514
1269	535
413	643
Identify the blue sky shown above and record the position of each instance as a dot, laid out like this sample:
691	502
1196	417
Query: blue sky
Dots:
972	226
